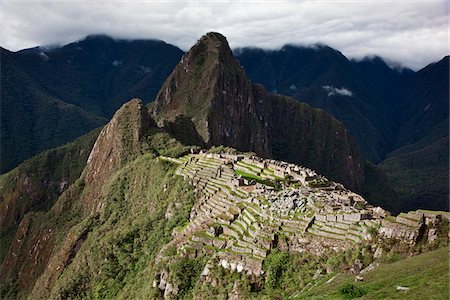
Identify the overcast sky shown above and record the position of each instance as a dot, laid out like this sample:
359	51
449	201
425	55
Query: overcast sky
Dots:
413	33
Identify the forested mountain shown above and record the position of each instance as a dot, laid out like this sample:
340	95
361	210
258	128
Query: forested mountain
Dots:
51	96
398	117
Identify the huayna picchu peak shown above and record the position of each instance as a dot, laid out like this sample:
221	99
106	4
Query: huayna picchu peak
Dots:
209	96
218	189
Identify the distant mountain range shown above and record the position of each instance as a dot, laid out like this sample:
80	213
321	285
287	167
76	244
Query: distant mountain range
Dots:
399	118
395	115
50	97
126	212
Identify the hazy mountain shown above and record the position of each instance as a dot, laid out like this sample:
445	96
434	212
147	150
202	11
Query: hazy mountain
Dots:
353	92
34	119
418	167
73	89
389	111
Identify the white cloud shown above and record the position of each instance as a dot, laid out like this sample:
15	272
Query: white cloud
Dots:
332	91
413	33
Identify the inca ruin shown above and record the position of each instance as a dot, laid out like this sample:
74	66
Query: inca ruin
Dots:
248	205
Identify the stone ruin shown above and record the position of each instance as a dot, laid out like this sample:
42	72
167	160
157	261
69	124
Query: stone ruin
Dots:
240	226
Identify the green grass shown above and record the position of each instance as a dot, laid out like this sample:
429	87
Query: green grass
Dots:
427	276
256	178
248	175
120	249
249	166
435	212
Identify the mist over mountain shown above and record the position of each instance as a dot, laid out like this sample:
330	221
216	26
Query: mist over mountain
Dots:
72	89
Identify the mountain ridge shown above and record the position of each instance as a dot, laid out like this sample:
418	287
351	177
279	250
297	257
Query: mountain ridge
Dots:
89	80
227	110
360	119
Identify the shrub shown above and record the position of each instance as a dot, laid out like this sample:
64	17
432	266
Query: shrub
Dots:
351	291
275	264
185	272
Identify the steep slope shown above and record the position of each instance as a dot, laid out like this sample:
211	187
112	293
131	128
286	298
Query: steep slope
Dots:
32	119
386	79
100	73
381	283
37	183
117	186
354	93
210	88
425	105
419	166
120	141
82	83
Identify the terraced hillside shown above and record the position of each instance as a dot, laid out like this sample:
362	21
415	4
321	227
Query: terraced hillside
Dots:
249	206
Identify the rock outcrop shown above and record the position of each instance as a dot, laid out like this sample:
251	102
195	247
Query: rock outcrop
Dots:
32	249
119	140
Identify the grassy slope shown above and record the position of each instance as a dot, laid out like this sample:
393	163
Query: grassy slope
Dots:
117	246
427	275
118	254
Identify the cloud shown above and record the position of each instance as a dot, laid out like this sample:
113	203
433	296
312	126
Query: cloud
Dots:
413	33
333	91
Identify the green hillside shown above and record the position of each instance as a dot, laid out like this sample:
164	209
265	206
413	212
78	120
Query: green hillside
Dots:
52	96
34	119
423	281
37	183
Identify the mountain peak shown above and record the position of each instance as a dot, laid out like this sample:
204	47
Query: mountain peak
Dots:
216	45
214	36
207	76
209	97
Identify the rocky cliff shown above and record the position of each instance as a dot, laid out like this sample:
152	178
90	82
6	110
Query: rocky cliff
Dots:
210	88
119	141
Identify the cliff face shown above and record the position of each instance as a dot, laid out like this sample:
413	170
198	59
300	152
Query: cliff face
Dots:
210	88
301	134
119	140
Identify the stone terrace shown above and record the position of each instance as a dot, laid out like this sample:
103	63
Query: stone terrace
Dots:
248	203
